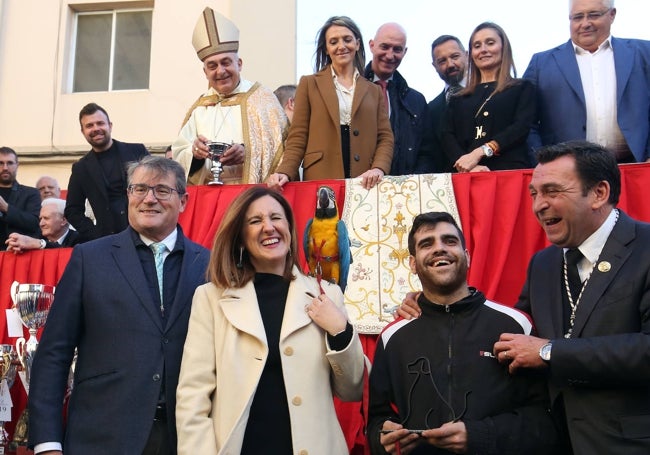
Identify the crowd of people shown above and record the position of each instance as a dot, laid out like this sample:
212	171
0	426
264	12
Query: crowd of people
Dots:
235	350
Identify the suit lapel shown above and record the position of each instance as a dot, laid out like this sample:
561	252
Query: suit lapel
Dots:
325	86
127	261
187	281
565	58
550	318
615	252
623	59
95	175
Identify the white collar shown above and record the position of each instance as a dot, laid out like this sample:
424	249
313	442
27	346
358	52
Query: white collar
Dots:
169	241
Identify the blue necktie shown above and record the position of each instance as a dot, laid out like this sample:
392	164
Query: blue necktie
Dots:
158	250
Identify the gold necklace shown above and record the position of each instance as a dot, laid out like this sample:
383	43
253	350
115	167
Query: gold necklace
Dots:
484	103
574	306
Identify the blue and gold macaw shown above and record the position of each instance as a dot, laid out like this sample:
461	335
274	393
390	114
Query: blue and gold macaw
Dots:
326	242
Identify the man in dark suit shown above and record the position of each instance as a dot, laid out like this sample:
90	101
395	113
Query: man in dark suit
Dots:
449	58
406	106
19	204
594	86
100	177
55	230
589	297
126	312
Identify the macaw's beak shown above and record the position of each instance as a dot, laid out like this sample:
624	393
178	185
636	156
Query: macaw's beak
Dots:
323	199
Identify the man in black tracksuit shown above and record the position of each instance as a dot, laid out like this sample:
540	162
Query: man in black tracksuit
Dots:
437	373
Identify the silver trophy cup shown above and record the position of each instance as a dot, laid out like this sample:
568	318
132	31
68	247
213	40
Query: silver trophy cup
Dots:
215	150
8	368
32	302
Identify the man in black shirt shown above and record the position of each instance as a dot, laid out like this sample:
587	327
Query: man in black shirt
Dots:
19	204
100	177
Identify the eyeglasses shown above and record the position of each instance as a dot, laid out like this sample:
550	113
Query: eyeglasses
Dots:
591	16
160	192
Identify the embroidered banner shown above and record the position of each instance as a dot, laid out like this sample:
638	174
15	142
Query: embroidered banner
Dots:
378	223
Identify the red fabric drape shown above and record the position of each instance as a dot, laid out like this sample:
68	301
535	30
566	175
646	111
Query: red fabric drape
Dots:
495	212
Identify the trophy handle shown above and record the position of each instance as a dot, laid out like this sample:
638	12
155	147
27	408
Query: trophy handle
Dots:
13	289
20	350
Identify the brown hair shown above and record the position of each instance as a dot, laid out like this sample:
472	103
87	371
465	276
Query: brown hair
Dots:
223	269
322	59
507	71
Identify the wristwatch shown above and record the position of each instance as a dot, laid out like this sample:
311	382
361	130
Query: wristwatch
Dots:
43	244
487	150
545	351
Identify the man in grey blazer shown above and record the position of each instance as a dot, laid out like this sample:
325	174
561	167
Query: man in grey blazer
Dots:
127	319
594	87
592	314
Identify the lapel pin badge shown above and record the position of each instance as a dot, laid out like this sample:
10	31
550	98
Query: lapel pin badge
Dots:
604	266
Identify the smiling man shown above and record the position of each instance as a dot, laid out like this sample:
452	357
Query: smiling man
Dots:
449	58
589	297
405	105
234	111
100	177
594	87
126	313
435	386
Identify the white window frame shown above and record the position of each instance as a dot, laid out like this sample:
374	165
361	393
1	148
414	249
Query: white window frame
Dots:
73	46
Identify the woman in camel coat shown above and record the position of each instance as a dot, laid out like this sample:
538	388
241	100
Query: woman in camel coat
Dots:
340	127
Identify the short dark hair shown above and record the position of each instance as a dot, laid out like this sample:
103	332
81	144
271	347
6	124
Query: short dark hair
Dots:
90	109
159	166
284	92
443	39
594	164
8	151
431	219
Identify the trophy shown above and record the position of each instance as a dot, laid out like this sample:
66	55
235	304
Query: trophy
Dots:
32	301
215	150
8	367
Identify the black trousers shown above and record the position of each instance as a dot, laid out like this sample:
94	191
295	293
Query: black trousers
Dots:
159	442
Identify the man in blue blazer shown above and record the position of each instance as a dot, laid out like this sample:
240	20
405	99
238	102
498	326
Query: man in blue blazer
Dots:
100	177
593	337
128	331
572	79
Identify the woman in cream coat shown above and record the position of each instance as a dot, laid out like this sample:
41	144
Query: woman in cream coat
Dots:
265	349
340	126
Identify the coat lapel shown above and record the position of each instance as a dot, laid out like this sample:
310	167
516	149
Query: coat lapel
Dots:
127	261
295	316
327	91
615	252
360	92
241	309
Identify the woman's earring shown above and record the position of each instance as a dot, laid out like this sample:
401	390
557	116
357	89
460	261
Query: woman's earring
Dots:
240	264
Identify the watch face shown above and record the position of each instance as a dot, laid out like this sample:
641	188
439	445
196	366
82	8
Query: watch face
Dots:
545	352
